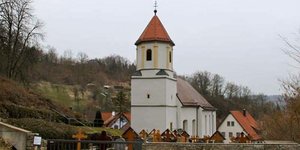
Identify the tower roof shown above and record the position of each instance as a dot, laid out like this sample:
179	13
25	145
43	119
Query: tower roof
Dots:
155	31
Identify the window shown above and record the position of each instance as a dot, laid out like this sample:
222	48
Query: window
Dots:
171	126
194	127
170	57
149	55
230	134
148	96
232	123
228	123
206	125
116	127
213	123
238	134
185	125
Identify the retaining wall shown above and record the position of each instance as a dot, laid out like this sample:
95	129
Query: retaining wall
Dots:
17	137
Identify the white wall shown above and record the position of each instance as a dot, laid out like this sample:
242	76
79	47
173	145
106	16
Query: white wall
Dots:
157	111
148	118
207	122
234	129
15	136
189	114
162	56
120	123
171	116
156	88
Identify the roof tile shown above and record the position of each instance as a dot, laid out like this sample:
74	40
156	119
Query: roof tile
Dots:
188	96
248	123
155	31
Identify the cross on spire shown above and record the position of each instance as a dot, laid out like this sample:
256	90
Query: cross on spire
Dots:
155	7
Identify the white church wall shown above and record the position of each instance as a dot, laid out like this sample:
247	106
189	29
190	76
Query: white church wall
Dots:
160	56
148	118
171	118
188	114
207	122
234	129
140	88
171	90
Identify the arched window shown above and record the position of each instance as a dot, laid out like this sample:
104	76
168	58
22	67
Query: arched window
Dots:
194	127
149	55
170	57
185	125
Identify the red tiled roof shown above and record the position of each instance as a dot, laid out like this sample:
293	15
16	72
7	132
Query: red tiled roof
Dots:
188	96
248	123
108	118
155	31
106	115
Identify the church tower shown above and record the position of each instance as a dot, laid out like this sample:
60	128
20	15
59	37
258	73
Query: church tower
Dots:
153	85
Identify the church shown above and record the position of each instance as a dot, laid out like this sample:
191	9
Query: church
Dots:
159	99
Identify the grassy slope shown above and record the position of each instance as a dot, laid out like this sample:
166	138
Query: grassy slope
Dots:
15	97
61	94
57	93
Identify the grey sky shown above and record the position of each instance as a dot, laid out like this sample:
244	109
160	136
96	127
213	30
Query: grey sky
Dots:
237	39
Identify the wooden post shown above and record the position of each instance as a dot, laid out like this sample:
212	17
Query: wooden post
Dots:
79	136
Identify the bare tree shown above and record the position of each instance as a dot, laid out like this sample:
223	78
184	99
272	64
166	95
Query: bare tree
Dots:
232	90
217	83
293	49
19	35
284	124
202	82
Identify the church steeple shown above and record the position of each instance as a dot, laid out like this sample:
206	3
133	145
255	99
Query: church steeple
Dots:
155	31
155	48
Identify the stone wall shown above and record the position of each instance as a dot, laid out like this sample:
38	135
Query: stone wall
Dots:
17	137
189	146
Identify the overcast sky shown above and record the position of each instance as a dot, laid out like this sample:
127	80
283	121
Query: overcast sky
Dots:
237	39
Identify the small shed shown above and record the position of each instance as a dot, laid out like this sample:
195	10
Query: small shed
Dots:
217	137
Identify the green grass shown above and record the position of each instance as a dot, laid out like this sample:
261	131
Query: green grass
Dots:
54	130
112	132
57	93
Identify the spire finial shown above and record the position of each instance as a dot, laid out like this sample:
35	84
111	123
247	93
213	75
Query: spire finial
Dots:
155	7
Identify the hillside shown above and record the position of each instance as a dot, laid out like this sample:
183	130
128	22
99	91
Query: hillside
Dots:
26	109
14	95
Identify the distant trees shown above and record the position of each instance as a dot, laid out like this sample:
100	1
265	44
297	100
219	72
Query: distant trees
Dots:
80	70
122	102
284	123
226	96
19	35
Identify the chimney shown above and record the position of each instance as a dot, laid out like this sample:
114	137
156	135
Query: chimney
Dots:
113	113
244	112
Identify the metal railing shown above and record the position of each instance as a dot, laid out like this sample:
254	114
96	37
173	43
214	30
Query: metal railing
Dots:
60	144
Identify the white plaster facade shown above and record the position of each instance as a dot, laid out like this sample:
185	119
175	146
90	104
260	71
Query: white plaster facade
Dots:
230	125
162	54
154	94
120	123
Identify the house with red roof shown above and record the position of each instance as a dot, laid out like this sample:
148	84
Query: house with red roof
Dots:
116	120
239	123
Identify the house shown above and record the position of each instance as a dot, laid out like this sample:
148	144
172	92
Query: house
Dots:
239	123
116	120
159	99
